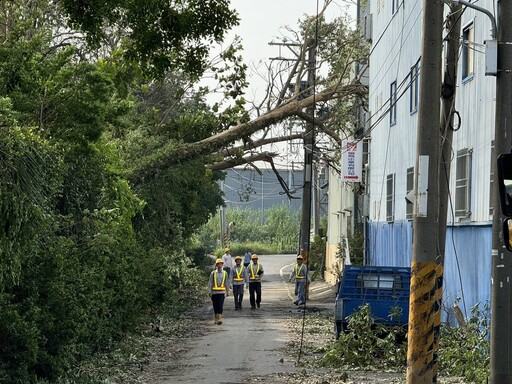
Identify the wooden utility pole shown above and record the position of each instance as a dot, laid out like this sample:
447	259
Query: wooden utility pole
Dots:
309	144
426	208
501	339
453	26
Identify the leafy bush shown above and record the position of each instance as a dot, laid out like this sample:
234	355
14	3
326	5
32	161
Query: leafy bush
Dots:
366	345
464	350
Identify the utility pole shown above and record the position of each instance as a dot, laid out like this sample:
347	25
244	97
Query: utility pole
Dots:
316	200
223	221
453	26
426	208
501	340
309	143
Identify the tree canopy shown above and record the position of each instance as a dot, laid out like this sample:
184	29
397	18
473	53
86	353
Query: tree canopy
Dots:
158	35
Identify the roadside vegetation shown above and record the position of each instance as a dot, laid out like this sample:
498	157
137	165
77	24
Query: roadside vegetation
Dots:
463	353
274	231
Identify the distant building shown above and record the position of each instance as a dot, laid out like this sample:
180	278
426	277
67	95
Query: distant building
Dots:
246	188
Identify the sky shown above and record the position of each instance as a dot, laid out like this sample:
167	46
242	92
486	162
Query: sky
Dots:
261	22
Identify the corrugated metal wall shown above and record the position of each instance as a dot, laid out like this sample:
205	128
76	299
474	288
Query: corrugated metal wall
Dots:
467	260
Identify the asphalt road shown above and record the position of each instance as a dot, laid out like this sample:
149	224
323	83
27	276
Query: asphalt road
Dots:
249	342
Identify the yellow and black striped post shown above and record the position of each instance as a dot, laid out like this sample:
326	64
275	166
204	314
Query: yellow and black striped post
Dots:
421	323
437	319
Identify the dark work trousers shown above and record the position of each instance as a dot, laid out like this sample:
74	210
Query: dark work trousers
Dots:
218	303
255	287
238	294
228	271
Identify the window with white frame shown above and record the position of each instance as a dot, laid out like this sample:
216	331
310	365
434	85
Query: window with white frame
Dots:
409	188
468	51
390	197
392	103
413	89
463	184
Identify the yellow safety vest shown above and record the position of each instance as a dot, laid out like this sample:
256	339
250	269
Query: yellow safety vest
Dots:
238	274
222	286
254	276
297	272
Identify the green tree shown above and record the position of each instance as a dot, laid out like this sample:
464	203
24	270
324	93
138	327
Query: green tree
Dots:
159	36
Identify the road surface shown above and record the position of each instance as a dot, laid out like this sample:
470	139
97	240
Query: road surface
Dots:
249	342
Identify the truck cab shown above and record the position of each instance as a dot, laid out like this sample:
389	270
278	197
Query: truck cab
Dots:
382	288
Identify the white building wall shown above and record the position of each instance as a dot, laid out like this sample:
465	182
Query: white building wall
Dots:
475	101
396	48
340	201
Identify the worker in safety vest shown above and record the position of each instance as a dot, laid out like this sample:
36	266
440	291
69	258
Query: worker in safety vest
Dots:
239	280
218	288
300	274
255	271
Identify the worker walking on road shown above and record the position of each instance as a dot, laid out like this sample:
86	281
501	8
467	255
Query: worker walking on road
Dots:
218	288
239	280
300	273
228	261
255	273
247	257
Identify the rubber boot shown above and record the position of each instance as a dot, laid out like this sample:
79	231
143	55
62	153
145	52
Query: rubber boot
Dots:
219	322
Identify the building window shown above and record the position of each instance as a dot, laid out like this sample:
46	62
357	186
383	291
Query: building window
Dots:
468	52
491	177
410	187
413	95
390	197
395	6
392	103
463	184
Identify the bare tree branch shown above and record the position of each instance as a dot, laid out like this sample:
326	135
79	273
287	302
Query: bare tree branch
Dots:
233	162
248	145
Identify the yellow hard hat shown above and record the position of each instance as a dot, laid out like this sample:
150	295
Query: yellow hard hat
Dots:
300	257
219	261
227	250
238	258
255	256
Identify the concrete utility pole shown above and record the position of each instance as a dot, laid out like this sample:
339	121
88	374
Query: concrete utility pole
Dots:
501	339
453	26
309	143
426	208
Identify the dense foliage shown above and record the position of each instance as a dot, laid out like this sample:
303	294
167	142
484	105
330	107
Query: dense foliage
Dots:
158	35
86	255
273	231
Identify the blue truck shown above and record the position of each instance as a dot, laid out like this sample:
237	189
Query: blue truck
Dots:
382	288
